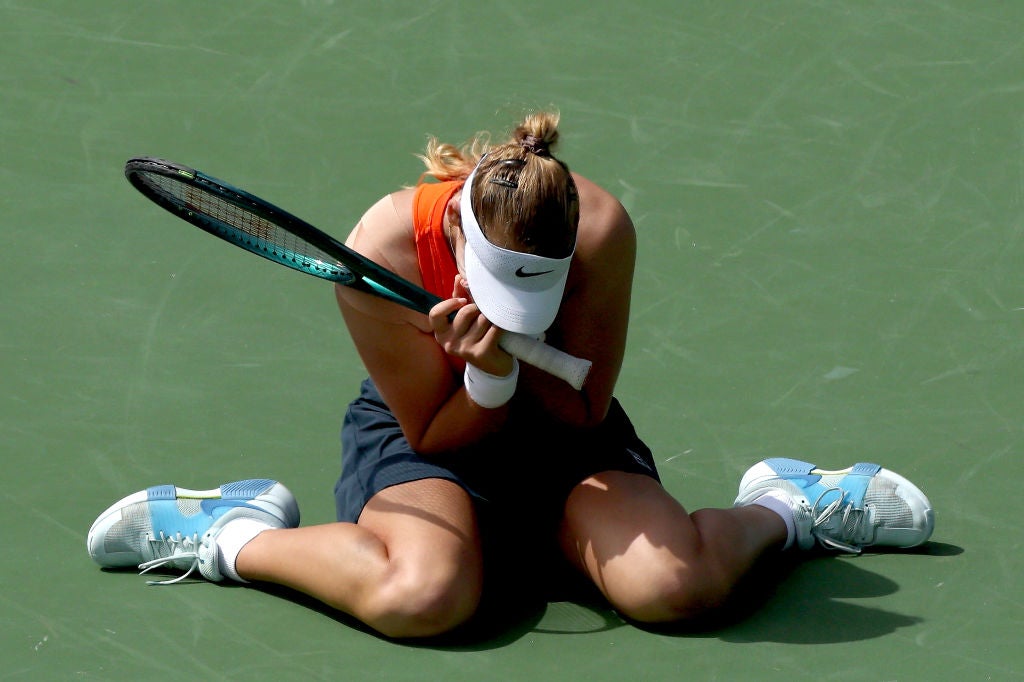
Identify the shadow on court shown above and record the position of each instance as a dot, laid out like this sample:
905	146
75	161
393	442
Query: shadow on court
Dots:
808	602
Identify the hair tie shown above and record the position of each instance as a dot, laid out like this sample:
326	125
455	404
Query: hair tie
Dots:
535	145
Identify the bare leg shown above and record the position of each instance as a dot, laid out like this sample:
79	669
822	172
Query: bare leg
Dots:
652	560
410	567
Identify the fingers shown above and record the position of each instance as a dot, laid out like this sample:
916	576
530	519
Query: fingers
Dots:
471	325
440	313
457	318
469	335
443	315
461	288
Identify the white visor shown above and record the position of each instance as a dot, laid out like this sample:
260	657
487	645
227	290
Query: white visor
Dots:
518	292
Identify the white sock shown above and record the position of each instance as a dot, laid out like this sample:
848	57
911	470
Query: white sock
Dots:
781	506
232	538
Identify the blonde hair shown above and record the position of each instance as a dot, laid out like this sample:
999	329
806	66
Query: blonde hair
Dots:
523	197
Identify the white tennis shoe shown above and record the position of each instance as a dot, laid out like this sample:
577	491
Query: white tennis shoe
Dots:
847	510
169	527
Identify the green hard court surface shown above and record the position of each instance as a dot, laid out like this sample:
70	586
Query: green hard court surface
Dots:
829	198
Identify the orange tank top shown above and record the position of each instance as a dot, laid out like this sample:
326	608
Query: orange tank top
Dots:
433	253
436	262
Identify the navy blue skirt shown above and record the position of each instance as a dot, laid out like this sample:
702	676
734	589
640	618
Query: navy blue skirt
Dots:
527	470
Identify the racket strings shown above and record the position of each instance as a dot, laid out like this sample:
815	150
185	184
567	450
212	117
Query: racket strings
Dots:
243	227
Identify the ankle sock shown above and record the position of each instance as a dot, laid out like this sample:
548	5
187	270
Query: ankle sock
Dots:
781	506
230	541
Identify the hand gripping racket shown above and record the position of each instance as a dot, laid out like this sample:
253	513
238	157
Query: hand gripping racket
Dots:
266	230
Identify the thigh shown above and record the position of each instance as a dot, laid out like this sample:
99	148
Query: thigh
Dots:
431	577
378	460
631	538
426	522
653	560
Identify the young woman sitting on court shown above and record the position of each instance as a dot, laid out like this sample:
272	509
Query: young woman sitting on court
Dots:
456	457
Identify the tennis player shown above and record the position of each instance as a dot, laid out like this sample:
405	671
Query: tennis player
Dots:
459	463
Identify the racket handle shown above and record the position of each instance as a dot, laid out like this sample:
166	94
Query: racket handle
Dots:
542	356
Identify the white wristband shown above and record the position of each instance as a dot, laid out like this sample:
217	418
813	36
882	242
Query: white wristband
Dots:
487	390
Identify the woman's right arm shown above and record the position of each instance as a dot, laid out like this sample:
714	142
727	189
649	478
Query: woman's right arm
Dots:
398	346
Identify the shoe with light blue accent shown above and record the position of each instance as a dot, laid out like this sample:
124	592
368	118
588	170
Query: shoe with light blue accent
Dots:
166	526
847	510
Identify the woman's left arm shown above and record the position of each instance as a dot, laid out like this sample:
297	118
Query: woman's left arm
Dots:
593	320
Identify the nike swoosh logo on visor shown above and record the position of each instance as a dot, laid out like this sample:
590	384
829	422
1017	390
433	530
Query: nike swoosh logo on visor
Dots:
522	273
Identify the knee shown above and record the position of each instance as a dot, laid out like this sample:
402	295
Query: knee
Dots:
418	603
665	591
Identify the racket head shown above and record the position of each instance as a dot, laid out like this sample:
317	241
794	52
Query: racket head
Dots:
261	228
236	216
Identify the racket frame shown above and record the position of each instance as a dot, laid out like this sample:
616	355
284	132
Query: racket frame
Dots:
346	266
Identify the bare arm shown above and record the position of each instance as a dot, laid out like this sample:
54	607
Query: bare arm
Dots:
594	317
406	353
399	347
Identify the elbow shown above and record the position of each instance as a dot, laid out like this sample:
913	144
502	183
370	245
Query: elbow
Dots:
423	445
586	414
590	421
582	409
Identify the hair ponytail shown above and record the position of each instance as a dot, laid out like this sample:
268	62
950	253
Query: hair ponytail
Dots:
524	197
538	133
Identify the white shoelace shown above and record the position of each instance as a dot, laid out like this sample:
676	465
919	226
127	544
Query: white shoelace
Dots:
172	550
843	536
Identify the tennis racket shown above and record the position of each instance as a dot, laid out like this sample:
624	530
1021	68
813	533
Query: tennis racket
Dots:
268	231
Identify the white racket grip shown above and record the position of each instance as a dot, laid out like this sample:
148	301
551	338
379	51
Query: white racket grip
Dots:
542	356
